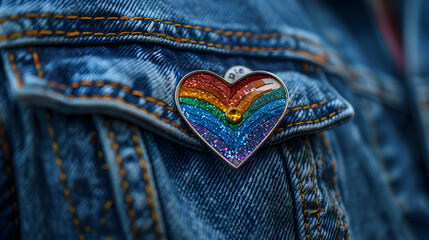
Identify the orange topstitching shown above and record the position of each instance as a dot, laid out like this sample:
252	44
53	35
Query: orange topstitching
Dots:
48	32
186	26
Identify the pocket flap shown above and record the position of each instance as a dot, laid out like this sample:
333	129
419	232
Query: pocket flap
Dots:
137	82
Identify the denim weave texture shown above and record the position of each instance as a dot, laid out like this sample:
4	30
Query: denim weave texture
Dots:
93	147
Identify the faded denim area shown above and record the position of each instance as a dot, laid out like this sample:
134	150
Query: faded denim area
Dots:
92	145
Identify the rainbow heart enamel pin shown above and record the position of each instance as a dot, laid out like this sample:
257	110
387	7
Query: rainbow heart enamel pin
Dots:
234	115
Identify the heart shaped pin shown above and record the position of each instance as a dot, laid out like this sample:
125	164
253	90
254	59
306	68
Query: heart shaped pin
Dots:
234	118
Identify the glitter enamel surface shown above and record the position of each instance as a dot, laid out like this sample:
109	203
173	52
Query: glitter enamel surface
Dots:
233	120
203	95
204	118
198	80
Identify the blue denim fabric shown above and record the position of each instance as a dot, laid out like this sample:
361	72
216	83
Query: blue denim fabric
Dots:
92	146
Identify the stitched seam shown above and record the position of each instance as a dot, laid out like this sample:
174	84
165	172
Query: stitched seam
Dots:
109	203
133	105
315	105
325	176
335	212
313	121
36	61
15	70
62	176
307	145
304	211
114	85
333	170
148	188
11	179
100	154
47	32
124	183
177	25
106	206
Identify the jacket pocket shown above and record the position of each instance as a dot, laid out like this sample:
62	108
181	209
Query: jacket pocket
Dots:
162	177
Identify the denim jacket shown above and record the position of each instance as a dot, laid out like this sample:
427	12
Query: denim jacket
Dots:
93	147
